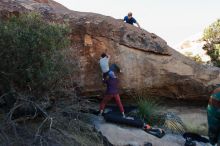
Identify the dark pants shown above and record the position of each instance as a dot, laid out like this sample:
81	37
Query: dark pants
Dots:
214	135
105	75
113	68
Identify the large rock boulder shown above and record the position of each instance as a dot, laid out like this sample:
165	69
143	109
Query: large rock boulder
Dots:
146	60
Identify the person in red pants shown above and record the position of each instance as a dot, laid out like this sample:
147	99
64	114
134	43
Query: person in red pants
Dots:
111	92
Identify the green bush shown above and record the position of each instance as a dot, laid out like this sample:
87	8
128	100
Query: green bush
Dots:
212	36
212	32
32	55
149	107
149	111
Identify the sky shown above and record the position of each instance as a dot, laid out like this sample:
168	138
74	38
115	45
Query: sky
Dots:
173	20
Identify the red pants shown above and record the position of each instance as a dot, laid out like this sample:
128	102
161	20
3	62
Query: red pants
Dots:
107	98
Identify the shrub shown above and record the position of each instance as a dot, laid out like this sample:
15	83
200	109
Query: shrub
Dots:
212	36
149	108
149	111
32	51
195	58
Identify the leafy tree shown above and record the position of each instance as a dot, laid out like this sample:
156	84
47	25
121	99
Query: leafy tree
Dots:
212	36
32	51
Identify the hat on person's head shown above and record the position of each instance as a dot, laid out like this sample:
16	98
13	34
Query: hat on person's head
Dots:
111	74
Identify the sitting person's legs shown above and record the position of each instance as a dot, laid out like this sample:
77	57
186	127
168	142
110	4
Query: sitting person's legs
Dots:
114	68
105	75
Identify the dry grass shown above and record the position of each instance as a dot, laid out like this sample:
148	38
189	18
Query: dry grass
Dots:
55	129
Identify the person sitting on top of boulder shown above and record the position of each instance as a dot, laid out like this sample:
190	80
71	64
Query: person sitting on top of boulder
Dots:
213	111
111	92
130	20
104	64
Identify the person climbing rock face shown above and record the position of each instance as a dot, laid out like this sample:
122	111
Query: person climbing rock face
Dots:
104	64
111	92
131	20
213	113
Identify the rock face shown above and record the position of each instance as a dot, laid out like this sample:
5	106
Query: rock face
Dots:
146	60
120	135
127	136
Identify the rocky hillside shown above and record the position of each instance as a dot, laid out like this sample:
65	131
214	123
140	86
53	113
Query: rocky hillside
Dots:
145	59
193	47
